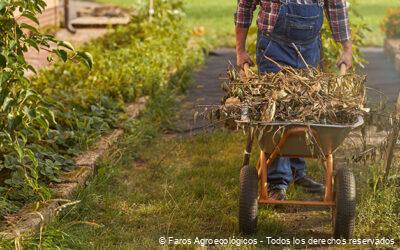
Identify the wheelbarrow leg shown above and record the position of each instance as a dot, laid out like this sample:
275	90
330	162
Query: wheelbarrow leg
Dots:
263	175
249	146
328	179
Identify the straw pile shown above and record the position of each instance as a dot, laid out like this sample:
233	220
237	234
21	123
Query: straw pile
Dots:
306	95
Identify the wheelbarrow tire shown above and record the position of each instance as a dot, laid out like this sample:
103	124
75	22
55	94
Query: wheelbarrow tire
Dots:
345	210
248	206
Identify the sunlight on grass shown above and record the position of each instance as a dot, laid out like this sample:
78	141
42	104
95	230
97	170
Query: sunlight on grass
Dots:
217	17
373	12
189	189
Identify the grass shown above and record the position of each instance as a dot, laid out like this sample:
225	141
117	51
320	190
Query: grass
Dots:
217	17
373	12
151	186
139	196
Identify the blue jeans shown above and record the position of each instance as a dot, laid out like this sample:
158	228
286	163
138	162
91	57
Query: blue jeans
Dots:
299	25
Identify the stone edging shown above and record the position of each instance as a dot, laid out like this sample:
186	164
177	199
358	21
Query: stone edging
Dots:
392	49
32	217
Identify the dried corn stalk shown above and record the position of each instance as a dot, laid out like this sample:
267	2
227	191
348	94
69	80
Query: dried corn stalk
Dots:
306	95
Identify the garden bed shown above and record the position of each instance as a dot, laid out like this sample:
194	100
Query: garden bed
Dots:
392	49
134	61
392	30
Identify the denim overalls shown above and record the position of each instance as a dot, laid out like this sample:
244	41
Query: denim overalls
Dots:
299	24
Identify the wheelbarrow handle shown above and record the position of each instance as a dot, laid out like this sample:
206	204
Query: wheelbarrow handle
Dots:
343	69
246	70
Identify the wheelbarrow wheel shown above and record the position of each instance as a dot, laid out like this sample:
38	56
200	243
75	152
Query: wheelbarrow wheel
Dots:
248	206
345	210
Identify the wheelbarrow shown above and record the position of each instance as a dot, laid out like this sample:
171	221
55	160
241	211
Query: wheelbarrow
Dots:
308	140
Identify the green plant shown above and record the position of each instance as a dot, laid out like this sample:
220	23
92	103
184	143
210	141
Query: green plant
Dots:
331	49
384	201
133	61
24	118
83	104
391	23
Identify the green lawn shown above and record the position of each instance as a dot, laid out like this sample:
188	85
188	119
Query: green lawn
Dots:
217	17
189	189
373	12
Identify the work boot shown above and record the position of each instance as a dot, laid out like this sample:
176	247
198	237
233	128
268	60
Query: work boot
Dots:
310	185
277	194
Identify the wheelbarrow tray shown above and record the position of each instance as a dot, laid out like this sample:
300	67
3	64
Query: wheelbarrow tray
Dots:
322	138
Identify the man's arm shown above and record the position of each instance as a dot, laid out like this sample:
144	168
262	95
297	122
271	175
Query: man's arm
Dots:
243	19
338	17
242	57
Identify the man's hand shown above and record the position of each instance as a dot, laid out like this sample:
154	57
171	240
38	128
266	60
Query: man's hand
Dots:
242	57
347	55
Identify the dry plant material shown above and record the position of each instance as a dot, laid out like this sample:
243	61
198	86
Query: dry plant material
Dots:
295	95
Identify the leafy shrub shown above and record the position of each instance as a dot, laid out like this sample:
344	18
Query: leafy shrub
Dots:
331	49
139	59
24	118
391	23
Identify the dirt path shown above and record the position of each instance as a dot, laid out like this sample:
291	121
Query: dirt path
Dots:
206	88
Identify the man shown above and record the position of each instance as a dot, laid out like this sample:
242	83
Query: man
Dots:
289	33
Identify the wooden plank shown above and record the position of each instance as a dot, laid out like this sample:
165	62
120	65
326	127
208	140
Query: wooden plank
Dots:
392	47
99	22
397	62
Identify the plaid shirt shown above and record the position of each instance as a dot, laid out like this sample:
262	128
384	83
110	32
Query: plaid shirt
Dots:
336	12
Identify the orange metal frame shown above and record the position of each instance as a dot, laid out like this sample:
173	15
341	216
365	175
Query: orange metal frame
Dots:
266	160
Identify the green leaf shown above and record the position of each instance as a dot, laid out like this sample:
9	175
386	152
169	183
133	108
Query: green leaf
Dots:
33	44
29	27
23	137
49	114
31	16
66	45
13	122
32	157
35	133
31	113
8	101
86	58
19	150
31	68
3	4
3	61
43	123
61	54
4	77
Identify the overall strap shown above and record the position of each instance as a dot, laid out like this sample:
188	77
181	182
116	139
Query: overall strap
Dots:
284	1
319	2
